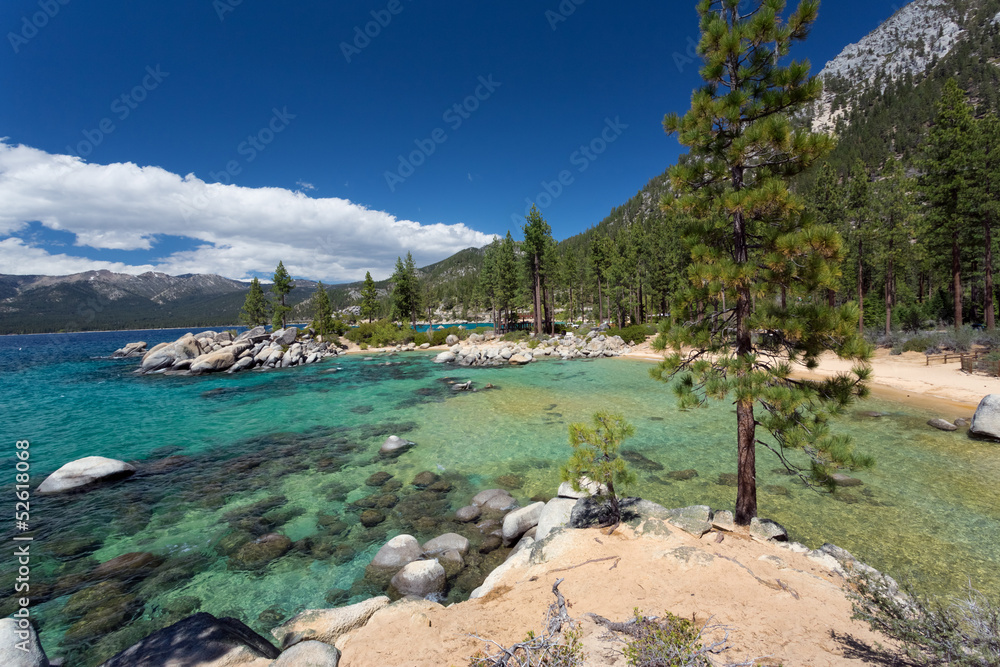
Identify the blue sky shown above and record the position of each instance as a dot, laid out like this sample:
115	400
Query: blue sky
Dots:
219	136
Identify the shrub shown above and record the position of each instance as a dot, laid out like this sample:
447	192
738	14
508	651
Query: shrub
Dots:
420	338
964	631
920	343
635	334
378	334
669	640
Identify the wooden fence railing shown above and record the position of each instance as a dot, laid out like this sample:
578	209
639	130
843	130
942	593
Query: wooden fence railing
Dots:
953	356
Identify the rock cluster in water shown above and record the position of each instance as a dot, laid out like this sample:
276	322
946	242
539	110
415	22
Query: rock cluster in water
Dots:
211	352
485	350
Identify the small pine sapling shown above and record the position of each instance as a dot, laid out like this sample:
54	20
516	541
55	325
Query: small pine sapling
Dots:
595	456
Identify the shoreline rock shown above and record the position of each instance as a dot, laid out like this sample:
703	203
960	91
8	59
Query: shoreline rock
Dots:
211	352
86	472
486	350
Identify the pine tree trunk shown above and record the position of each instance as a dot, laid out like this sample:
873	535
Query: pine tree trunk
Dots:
888	297
861	292
746	480
600	302
956	276
538	296
988	261
831	298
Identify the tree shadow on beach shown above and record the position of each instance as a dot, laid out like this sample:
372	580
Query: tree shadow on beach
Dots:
870	654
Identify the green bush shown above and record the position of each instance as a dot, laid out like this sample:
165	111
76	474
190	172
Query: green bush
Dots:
420	338
920	343
634	334
668	640
379	334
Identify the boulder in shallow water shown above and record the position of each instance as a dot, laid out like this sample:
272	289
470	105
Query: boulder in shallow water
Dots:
396	553
420	578
128	566
986	421
12	637
137	349
201	639
445	357
468	513
394	444
498	500
255	555
846	480
941	424
447	542
520	521
213	362
85	472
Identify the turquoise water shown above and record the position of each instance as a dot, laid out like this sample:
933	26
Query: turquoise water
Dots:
289	452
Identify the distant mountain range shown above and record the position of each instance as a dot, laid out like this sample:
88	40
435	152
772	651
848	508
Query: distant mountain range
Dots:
102	300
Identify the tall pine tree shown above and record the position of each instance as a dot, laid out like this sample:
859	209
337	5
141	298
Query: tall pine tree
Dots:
946	182
282	285
369	298
322	310
254	311
406	290
537	243
752	242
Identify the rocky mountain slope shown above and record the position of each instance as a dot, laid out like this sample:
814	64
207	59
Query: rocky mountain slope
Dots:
107	300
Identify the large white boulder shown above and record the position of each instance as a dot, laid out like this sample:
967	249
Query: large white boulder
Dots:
327	625
520	521
420	578
555	514
986	421
84	472
397	552
213	362
19	646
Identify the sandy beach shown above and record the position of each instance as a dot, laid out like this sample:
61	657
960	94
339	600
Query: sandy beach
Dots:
905	377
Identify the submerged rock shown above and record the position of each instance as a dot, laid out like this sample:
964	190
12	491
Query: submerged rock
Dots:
942	424
446	542
85	472
468	513
201	639
255	555
396	553
394	444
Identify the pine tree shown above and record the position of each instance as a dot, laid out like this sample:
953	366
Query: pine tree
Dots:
282	285
946	182
406	290
322	310
369	298
859	232
892	201
987	196
254	312
751	242
537	241
595	456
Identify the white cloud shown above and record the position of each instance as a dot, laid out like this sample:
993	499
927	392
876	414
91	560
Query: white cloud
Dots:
243	230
